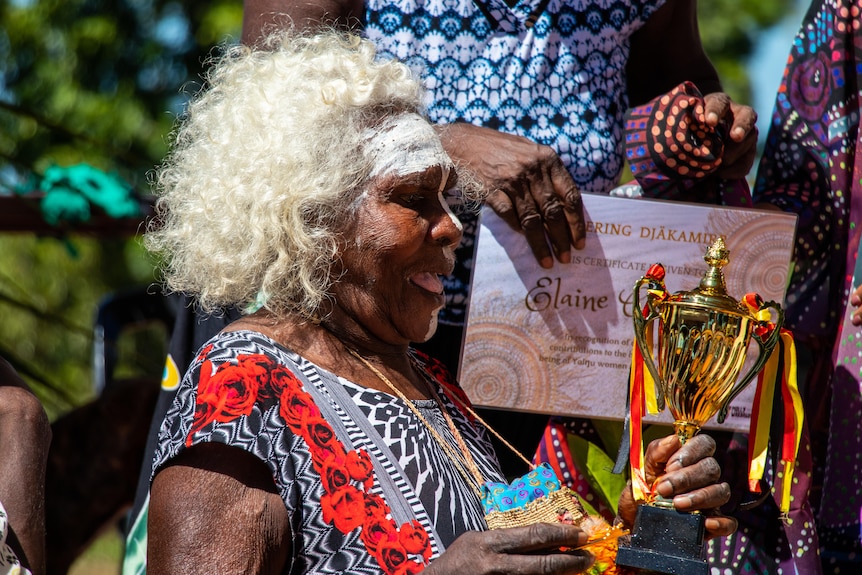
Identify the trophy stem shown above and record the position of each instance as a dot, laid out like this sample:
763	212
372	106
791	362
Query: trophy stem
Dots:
685	430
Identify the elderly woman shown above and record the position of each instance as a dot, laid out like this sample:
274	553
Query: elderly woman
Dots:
308	437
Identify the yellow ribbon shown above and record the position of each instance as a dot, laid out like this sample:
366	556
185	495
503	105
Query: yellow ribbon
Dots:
762	418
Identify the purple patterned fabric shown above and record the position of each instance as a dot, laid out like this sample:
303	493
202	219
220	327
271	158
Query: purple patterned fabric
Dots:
810	166
674	154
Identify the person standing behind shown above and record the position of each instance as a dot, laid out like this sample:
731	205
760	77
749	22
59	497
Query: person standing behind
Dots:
812	166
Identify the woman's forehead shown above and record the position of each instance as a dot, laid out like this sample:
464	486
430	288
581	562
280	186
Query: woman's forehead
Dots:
404	144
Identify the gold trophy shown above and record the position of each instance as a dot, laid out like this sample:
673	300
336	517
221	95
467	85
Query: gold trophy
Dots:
702	344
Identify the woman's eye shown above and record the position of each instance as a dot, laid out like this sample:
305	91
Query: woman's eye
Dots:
452	195
412	199
454	198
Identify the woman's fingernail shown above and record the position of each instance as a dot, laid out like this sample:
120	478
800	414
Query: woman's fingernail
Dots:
664	488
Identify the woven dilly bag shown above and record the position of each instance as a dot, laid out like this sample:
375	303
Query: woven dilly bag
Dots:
536	497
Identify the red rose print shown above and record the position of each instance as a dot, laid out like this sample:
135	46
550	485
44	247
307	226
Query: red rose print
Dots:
414	539
360	467
334	474
376	530
375	506
205	351
296	407
322	441
344	504
257	366
228	393
282	379
344	507
391	555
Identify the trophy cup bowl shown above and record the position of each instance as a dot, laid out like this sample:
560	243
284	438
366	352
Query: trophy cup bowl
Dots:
702	345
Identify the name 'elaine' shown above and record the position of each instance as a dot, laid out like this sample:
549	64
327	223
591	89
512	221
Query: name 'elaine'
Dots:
548	294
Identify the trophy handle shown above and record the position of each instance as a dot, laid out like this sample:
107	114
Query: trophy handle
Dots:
766	348
641	321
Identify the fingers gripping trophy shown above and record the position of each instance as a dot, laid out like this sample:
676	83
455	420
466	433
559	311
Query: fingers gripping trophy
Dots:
701	346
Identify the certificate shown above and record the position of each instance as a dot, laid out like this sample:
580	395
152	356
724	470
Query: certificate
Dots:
559	340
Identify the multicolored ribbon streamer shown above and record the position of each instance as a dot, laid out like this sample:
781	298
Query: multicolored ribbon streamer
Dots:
637	406
780	369
642	387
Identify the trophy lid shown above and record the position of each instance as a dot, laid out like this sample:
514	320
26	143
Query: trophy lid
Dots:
712	290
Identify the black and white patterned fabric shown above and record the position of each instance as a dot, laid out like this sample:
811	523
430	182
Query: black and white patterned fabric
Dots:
412	473
9	563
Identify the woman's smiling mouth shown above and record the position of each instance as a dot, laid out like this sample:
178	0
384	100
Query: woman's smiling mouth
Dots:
427	281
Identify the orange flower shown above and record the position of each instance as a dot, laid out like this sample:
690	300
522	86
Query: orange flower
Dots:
603	546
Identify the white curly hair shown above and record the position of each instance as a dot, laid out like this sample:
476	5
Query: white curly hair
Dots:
266	165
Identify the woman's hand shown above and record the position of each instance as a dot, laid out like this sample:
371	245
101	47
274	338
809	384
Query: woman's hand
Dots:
690	476
856	301
529	187
740	125
522	550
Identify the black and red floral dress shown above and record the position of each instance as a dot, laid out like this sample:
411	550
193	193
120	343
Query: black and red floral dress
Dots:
367	487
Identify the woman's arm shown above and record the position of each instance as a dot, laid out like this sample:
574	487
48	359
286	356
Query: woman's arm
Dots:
25	436
261	16
668	51
215	509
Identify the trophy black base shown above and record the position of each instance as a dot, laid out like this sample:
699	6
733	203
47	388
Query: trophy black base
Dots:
665	541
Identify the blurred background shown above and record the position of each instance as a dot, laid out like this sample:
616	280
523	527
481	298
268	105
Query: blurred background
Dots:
98	85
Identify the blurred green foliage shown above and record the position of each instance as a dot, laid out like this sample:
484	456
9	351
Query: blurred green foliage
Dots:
99	82
102	82
729	30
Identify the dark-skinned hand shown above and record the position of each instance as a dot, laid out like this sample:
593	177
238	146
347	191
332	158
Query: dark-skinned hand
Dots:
529	187
523	550
740	125
856	302
688	474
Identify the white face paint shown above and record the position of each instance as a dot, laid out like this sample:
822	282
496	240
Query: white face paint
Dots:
432	327
404	144
444	203
407	144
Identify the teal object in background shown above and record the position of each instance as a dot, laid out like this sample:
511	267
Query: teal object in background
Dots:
70	191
